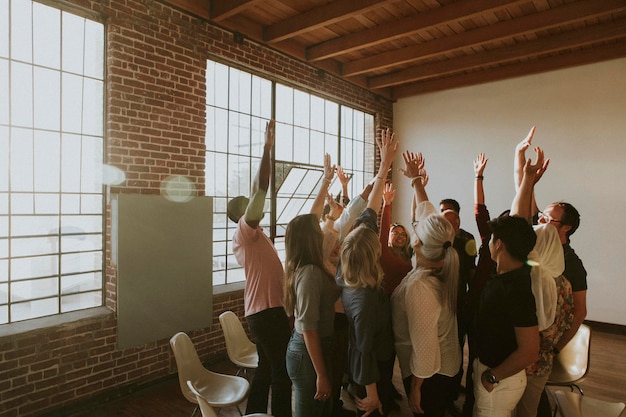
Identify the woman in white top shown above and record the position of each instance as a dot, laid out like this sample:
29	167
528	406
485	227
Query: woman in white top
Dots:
424	307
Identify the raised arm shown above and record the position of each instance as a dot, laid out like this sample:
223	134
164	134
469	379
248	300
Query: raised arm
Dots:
318	204
388	147
479	168
344	179
260	185
521	205
520	158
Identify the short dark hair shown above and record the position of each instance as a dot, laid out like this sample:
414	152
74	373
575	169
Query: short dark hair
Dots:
236	207
453	203
571	217
517	235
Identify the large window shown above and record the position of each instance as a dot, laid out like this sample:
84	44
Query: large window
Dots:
238	106
51	153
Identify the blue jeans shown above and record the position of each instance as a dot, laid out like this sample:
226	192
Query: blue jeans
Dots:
270	329
304	378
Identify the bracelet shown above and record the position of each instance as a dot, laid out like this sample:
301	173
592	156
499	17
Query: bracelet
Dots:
380	178
419	177
479	177
327	180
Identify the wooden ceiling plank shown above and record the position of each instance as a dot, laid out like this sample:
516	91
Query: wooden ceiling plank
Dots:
583	57
223	9
404	27
562	41
318	17
569	13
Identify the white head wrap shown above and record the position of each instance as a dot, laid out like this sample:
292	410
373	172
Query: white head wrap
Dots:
547	263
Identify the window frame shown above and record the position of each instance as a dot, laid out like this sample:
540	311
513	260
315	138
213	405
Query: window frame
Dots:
221	281
92	71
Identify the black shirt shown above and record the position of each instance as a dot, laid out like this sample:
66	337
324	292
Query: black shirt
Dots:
574	269
506	302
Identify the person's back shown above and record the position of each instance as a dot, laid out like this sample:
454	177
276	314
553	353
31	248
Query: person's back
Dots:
263	293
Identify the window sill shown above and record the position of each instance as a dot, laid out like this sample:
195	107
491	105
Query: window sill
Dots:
226	288
26	326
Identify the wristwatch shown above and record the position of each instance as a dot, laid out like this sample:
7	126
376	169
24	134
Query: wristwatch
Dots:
491	378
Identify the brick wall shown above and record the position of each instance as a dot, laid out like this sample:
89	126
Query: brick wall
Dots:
156	60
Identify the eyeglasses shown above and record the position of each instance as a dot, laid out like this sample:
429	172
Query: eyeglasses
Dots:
403	234
546	218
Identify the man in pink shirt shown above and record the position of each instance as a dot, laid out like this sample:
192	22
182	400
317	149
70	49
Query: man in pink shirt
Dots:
263	295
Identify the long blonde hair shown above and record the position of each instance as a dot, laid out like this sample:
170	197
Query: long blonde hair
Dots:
436	236
360	255
303	246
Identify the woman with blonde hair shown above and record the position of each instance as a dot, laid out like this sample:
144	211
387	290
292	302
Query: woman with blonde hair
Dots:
310	294
424	307
370	349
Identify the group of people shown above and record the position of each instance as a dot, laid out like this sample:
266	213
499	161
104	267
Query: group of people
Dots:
353	297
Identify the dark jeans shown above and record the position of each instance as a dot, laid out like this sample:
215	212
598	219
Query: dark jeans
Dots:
304	378
384	387
340	356
436	392
271	331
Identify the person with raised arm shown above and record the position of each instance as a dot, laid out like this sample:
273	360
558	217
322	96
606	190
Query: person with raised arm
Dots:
263	294
310	295
396	251
371	353
485	268
507	332
424	306
566	219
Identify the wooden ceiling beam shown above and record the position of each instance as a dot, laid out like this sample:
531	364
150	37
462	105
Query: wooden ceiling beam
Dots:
566	14
223	9
405	27
317	18
562	41
582	57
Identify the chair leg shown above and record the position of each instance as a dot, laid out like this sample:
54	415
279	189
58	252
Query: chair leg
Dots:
194	410
238	409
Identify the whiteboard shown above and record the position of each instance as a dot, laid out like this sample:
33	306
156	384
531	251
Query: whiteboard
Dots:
162	251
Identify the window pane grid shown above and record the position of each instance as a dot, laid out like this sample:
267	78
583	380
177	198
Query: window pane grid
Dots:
307	127
51	203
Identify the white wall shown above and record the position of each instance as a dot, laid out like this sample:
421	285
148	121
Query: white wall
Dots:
580	114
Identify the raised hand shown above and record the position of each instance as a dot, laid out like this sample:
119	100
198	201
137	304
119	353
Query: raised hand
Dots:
329	170
414	164
343	178
389	194
270	133
542	170
479	164
334	211
388	146
539	164
526	142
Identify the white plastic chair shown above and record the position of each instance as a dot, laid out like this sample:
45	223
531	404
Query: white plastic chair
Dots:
207	410
571	365
218	390
241	351
572	404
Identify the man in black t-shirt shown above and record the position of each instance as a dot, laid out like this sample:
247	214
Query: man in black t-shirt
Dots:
566	219
507	334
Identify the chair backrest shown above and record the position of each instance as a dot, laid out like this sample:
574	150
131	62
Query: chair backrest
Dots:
236	339
188	363
572	363
205	407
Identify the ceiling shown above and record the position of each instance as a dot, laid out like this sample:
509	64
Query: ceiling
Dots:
401	48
